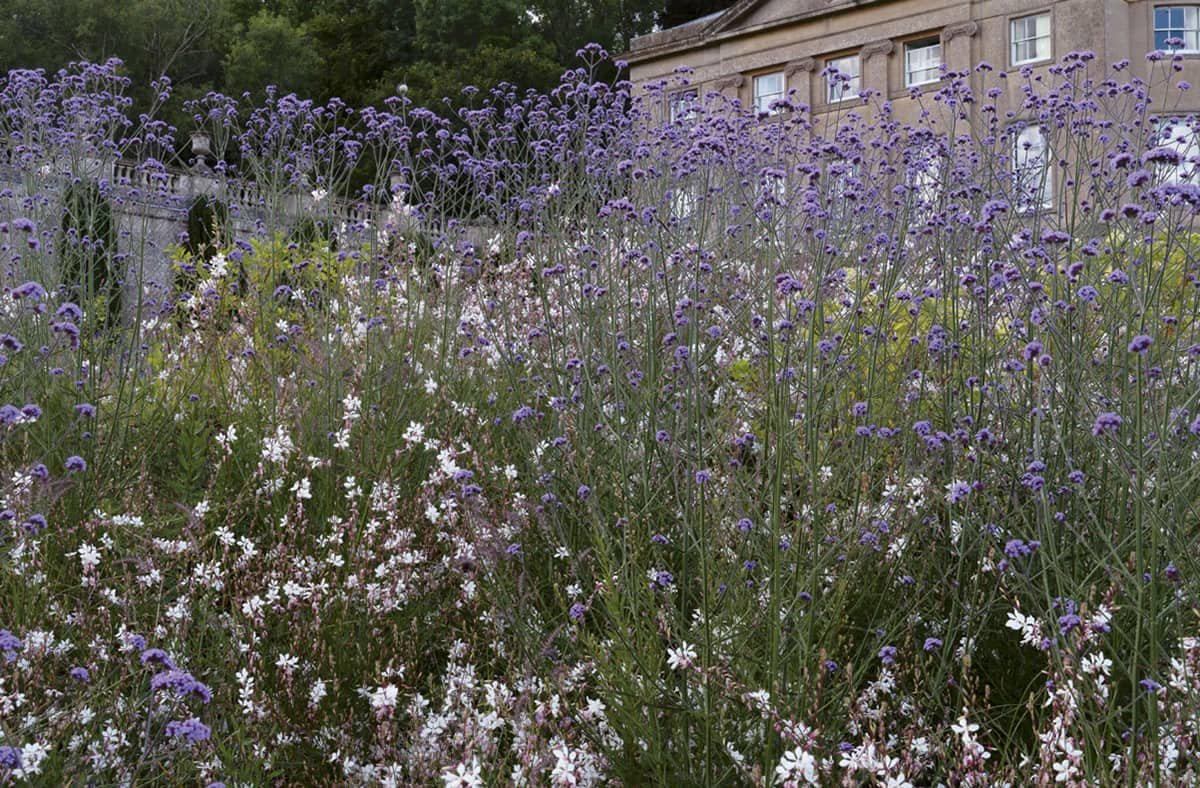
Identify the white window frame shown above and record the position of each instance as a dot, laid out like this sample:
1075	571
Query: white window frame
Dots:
1031	168
924	177
1019	34
764	98
681	105
922	46
1189	26
839	89
684	201
1178	135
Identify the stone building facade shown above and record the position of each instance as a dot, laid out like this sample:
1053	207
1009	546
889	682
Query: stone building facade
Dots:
760	50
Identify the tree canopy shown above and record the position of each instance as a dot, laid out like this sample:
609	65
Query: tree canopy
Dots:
357	50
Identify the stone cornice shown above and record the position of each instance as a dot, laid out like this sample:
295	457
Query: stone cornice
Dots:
692	36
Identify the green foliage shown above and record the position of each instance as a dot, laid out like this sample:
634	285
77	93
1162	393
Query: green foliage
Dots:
358	50
310	232
270	49
89	243
207	223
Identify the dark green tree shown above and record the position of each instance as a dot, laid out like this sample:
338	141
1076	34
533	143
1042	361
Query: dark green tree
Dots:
677	12
272	50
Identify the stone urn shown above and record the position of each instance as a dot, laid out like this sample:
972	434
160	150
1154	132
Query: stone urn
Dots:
202	147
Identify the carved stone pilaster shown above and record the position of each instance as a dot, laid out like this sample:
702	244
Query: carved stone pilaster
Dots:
967	29
956	44
874	48
730	83
800	66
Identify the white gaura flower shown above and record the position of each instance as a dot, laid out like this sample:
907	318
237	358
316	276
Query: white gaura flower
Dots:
682	657
797	767
385	697
89	557
463	776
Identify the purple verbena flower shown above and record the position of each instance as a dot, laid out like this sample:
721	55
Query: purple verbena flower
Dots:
182	682
957	490
10	644
1106	423
156	656
1141	343
30	289
191	729
10	757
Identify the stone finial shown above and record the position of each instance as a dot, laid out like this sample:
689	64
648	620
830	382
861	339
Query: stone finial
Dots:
799	66
883	47
951	32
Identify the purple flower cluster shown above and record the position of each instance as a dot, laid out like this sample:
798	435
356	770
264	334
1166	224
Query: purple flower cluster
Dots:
192	730
182	683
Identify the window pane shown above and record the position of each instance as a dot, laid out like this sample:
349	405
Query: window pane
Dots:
1177	22
1031	168
683	105
1030	38
770	83
1181	138
767	89
923	62
843	77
